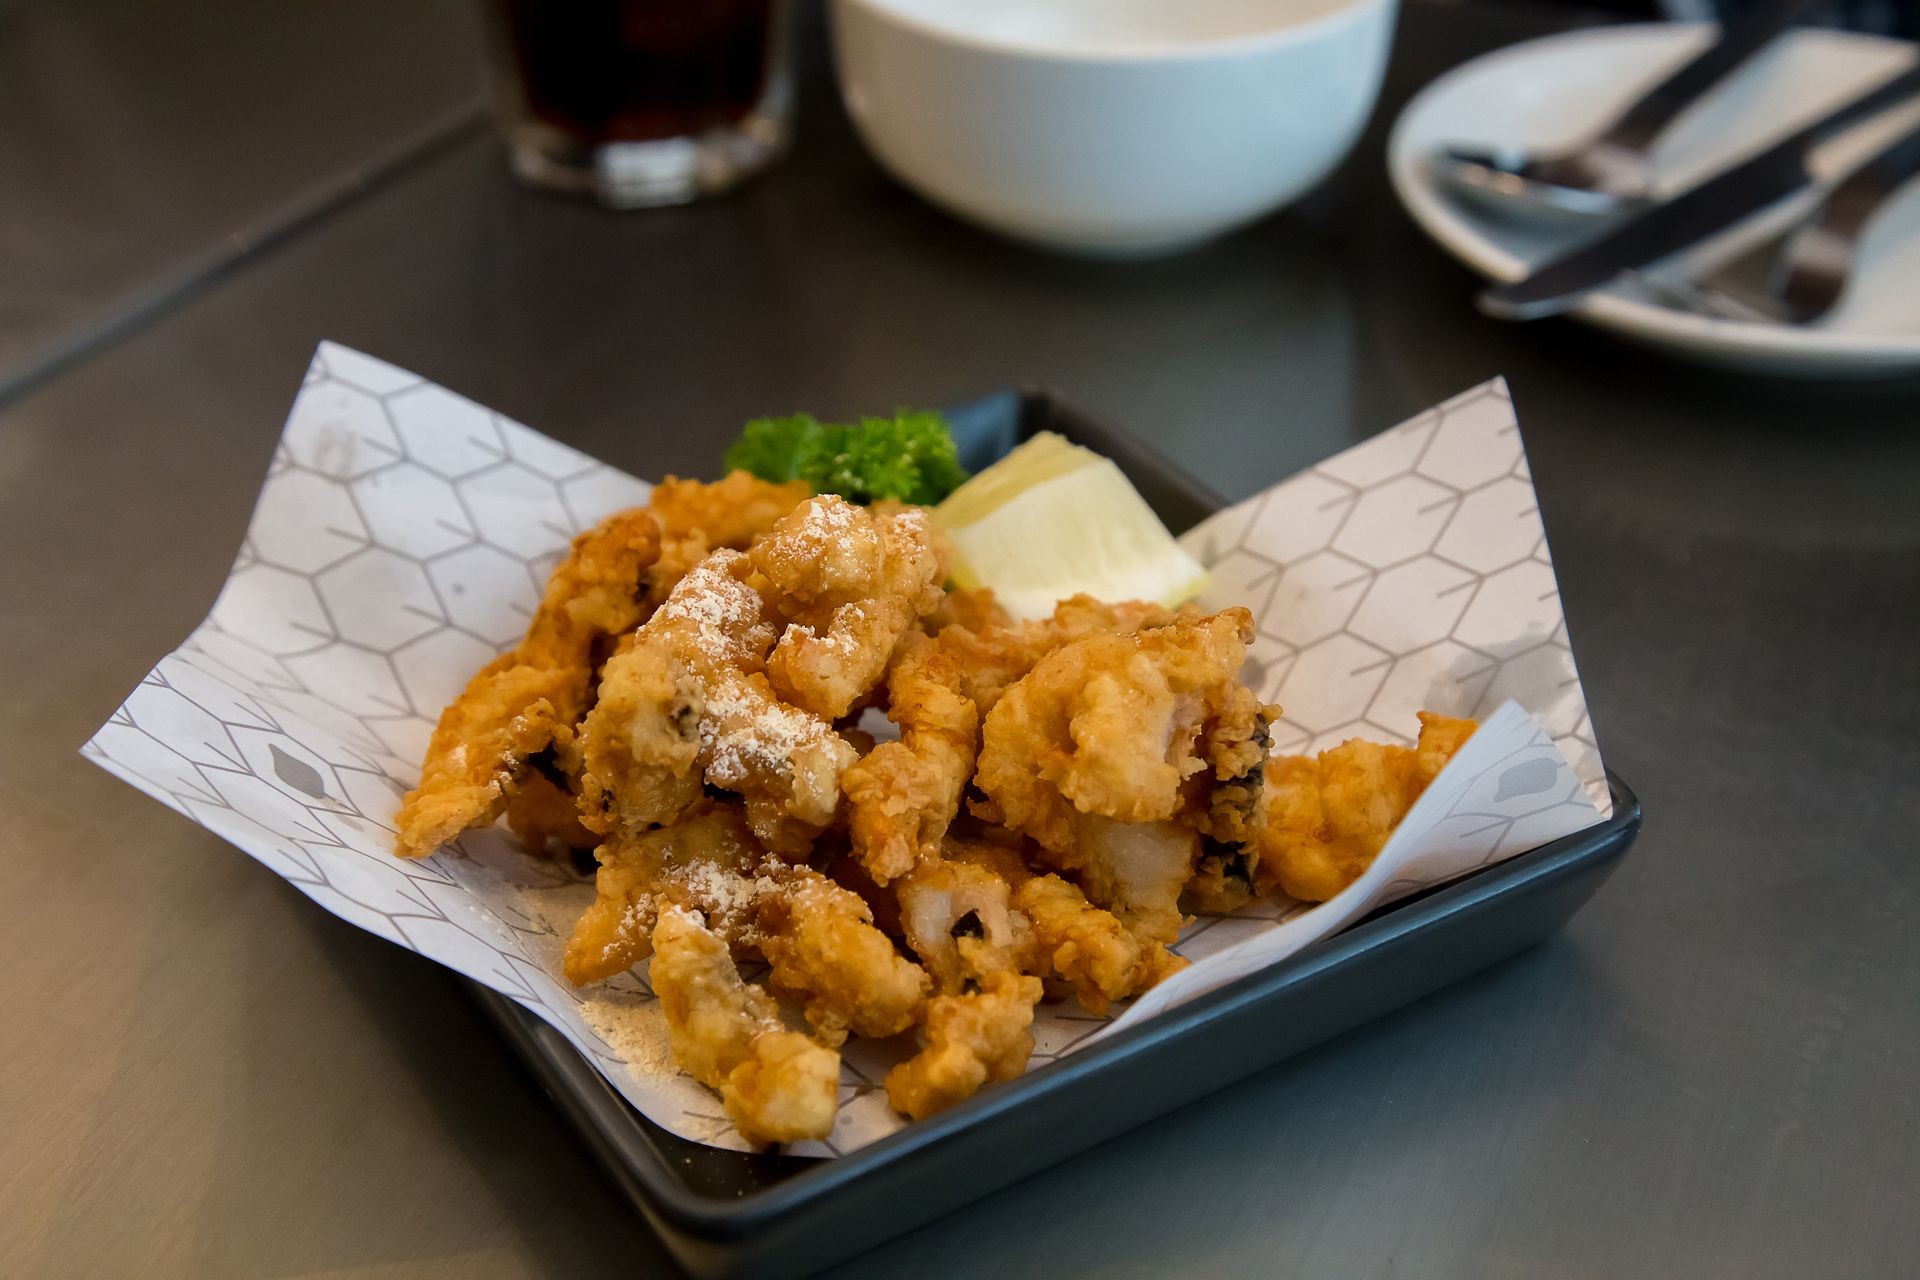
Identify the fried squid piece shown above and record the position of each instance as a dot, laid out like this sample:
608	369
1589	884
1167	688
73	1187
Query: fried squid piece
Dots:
730	512
849	584
776	1085
822	946
786	1091
959	919
697	518
1230	824
522	701
541	811
713	1015
708	862
973	608
1136	870
785	763
1087	948
947	905
994	653
688	705
902	795
593	594
1328	816
477	752
970	1040
1110	752
640	745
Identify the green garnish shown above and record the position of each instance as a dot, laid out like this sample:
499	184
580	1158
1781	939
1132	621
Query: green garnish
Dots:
909	456
775	449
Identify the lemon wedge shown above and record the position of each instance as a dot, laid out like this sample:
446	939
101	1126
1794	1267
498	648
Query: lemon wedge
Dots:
1052	519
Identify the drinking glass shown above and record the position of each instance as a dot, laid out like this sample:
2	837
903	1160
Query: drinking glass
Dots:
643	102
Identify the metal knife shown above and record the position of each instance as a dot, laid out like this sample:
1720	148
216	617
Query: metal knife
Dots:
1689	217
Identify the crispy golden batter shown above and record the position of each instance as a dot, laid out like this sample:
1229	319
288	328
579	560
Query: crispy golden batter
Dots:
543	814
1067	941
849	584
821	945
1136	870
521	701
594	593
1328	816
708	862
944	905
788	1090
901	796
1088	948
1110	751
994	655
712	1013
974	608
776	1085
1440	738
687	703
678	556
970	1040
476	754
937	541
697	518
731	512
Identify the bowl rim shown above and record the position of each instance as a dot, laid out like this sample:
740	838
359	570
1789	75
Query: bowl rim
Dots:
1219	48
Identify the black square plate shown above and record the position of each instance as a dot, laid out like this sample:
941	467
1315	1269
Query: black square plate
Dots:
739	1214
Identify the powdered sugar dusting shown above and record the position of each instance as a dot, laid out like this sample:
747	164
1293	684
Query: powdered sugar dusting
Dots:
847	621
726	896
634	1027
828	520
634	922
747	732
914	522
728	619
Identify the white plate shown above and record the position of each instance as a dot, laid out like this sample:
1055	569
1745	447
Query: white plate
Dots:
1556	90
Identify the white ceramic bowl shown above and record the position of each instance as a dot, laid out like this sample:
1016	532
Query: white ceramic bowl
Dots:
1111	126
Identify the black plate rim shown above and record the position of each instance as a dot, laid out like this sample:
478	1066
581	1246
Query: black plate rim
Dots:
1045	398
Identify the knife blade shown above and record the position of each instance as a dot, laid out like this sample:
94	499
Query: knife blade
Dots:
1689	217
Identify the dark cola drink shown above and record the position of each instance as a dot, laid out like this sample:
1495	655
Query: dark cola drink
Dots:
643	102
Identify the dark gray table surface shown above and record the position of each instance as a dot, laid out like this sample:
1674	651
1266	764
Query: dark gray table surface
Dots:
1712	1072
146	147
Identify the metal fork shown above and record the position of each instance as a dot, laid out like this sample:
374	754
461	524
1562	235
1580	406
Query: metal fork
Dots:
1611	173
1796	277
